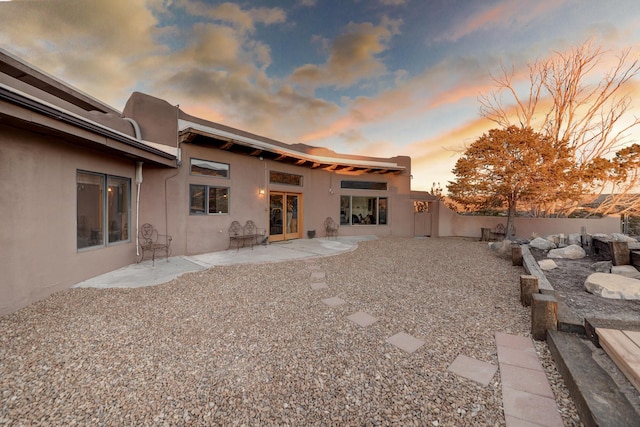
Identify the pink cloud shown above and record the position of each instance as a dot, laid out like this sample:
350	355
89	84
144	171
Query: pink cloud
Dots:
501	15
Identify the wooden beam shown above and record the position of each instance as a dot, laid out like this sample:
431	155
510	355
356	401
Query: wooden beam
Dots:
280	157
256	152
315	165
531	266
187	137
226	145
331	167
301	162
624	349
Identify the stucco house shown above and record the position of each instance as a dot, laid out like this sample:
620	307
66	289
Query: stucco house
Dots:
78	178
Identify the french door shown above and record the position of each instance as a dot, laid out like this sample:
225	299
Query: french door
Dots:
285	212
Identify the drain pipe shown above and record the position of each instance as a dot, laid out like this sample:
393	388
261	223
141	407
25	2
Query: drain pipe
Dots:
138	182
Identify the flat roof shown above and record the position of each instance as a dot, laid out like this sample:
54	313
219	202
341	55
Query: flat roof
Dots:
253	145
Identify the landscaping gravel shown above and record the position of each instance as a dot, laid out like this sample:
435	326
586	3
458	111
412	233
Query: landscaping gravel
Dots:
255	345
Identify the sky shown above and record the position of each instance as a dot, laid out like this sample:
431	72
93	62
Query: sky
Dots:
367	77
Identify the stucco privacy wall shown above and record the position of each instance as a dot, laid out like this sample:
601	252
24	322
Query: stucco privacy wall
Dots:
452	224
38	210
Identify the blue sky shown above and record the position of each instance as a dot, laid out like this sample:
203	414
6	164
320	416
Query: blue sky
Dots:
371	77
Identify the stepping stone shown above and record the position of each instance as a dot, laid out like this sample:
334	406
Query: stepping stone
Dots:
318	275
334	301
320	285
473	369
363	319
405	342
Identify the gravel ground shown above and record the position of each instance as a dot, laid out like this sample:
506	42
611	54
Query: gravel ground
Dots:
254	344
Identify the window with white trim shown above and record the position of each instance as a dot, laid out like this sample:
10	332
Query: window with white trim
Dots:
363	210
208	200
103	209
209	168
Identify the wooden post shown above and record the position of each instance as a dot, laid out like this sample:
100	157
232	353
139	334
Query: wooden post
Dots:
620	253
516	254
544	315
528	287
485	234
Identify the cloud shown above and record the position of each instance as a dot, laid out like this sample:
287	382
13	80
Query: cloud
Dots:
410	99
393	2
233	14
96	45
504	14
353	56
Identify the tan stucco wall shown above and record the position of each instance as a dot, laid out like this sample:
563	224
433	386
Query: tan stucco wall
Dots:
194	234
38	254
452	224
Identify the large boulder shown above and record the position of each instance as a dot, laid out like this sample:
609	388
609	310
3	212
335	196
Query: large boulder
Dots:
547	264
568	252
613	286
543	244
626	271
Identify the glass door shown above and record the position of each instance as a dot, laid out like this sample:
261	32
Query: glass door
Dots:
276	216
291	231
284	216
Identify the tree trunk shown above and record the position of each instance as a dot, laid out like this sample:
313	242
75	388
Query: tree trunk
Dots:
511	215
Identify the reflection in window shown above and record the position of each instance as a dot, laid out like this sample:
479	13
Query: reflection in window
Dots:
362	210
285	178
102	213
363	185
209	168
204	199
118	208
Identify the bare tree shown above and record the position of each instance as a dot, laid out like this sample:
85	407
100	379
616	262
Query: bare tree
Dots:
567	102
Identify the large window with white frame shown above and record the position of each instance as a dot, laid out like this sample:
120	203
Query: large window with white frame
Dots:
103	209
363	210
208	200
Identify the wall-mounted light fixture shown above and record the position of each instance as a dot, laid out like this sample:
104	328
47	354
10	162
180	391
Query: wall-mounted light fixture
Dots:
261	191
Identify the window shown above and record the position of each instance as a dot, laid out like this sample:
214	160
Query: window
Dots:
209	168
285	178
205	199
102	213
362	210
363	185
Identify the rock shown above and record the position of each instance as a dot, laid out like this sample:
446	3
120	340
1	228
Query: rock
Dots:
619	237
547	264
569	252
540	243
602	266
613	286
574	239
626	271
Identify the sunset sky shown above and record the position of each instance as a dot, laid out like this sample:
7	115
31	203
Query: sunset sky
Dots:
371	77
